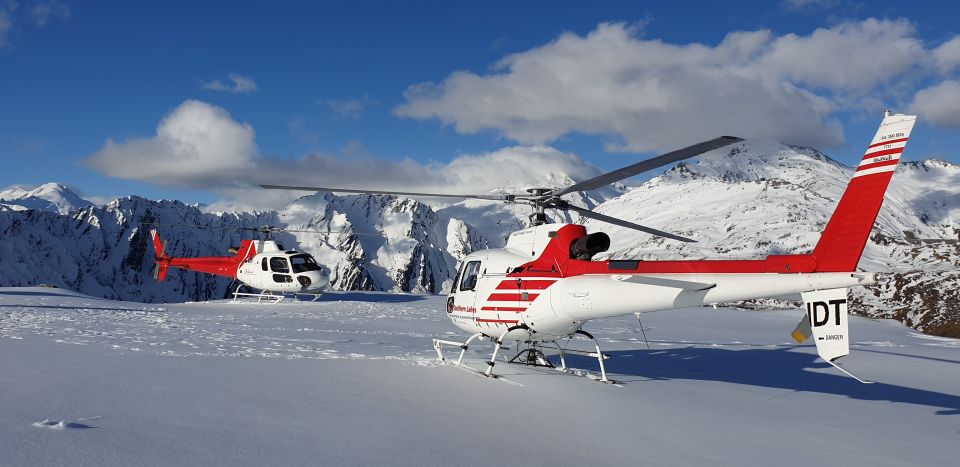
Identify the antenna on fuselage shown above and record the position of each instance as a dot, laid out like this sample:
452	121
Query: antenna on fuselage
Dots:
642	332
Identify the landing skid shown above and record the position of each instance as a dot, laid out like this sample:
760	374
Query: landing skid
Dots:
261	297
849	374
266	296
532	355
438	345
600	356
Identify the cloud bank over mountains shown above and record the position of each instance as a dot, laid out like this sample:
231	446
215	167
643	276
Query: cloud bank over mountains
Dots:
650	95
200	145
637	94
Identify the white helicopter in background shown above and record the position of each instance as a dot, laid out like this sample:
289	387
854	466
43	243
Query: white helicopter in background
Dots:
543	286
263	265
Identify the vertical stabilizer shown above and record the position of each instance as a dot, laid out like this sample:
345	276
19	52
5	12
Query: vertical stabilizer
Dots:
827	316
846	234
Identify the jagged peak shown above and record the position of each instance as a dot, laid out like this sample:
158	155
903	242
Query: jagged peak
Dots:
51	196
927	164
754	161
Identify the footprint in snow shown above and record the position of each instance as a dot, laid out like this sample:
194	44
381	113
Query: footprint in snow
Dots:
64	424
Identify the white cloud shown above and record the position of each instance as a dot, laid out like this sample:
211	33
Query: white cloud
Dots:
43	12
199	145
646	94
240	84
850	57
939	104
947	56
196	145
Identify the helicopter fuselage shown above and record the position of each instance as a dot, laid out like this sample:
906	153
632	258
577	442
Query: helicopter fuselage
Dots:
534	285
282	271
260	264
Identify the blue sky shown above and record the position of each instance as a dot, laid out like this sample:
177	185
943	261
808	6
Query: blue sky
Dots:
339	81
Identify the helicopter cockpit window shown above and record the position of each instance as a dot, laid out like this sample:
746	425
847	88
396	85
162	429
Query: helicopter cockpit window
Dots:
279	264
456	279
303	263
470	274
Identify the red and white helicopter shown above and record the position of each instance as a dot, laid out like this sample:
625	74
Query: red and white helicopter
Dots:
543	285
258	264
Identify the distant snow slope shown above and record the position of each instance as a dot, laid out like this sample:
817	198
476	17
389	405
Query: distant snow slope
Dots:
758	199
353	380
47	197
751	200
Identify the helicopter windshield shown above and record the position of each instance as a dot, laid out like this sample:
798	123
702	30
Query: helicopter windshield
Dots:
304	263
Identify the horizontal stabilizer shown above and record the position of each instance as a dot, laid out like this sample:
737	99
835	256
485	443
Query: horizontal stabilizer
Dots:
803	331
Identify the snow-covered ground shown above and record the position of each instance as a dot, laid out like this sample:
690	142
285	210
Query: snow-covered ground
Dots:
352	380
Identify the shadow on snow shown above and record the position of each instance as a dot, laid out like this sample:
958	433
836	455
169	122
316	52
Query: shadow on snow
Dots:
375	297
772	368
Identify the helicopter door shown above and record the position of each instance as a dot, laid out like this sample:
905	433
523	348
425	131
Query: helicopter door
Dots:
280	269
466	297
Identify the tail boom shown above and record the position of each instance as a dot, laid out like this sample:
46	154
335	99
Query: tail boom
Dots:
219	265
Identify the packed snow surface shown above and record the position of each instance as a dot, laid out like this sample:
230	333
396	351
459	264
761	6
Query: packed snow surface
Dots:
353	380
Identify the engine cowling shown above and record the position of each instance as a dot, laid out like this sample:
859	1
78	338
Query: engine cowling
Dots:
586	247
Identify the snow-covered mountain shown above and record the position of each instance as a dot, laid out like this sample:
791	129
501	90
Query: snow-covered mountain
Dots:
47	197
759	199
373	243
749	201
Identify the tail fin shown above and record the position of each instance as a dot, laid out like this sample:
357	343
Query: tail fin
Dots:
828	322
162	263
845	237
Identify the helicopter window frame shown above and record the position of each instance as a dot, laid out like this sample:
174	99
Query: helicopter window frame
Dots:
282	278
283	269
471	274
456	279
309	264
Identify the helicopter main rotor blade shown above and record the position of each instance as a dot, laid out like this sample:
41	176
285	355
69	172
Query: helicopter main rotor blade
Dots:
264	229
386	192
649	164
622	223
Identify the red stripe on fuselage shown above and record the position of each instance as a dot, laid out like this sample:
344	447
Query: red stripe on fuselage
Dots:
514	284
555	262
503	308
511	297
